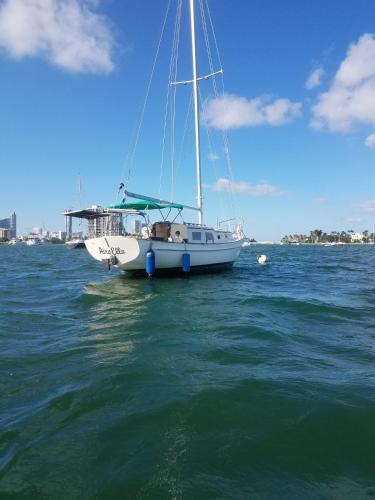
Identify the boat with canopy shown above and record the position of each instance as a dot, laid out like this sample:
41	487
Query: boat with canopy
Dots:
169	244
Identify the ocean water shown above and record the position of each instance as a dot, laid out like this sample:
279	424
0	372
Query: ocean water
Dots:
257	383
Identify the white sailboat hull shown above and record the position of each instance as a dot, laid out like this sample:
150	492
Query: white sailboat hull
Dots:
175	246
128	253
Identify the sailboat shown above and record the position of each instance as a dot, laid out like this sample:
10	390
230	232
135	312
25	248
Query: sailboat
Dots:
167	245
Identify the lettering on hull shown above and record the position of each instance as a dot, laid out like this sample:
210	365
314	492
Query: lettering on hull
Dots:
111	251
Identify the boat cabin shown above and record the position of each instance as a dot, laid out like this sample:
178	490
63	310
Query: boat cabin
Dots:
187	233
170	231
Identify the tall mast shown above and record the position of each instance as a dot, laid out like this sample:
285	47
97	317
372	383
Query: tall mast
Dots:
196	115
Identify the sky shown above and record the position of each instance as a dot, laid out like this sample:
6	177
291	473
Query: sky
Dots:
297	111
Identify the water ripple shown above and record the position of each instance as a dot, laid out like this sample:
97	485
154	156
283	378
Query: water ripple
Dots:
257	382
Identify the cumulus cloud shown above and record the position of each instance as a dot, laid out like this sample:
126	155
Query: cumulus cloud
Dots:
350	100
315	78
255	190
231	111
67	33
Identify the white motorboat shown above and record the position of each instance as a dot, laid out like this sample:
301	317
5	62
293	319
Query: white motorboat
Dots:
75	243
31	241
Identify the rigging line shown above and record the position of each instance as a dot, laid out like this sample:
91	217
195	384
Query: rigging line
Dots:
211	152
167	105
187	119
148	92
213	34
223	132
163	142
173	103
122	179
208	48
230	171
225	135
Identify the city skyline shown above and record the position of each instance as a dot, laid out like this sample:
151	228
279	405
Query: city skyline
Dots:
10	223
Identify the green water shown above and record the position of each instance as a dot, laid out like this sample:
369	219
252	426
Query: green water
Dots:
253	383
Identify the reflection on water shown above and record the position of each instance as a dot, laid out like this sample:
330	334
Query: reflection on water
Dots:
114	309
122	297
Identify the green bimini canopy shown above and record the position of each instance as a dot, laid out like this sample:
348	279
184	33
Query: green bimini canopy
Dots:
144	205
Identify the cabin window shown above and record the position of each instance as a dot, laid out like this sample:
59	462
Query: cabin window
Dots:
209	237
197	236
218	236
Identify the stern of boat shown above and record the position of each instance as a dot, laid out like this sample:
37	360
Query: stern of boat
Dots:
119	250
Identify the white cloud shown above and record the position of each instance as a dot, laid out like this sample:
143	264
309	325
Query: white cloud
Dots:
66	33
367	206
213	157
315	78
359	63
231	111
370	141
350	100
262	189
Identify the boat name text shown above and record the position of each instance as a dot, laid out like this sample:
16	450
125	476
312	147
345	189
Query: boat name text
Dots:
111	251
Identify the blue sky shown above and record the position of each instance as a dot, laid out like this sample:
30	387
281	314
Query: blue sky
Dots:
298	110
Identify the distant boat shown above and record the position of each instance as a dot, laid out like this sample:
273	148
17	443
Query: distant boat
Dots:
334	244
76	243
34	241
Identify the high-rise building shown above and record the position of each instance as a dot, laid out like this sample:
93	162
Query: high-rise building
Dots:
11	224
68	226
4	233
136	226
101	225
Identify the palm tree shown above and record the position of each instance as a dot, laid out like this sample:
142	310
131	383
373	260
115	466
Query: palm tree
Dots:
318	234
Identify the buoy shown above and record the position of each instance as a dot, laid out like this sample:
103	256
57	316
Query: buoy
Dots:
262	259
186	262
150	262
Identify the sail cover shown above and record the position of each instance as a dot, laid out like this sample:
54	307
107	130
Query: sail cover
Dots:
144	205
